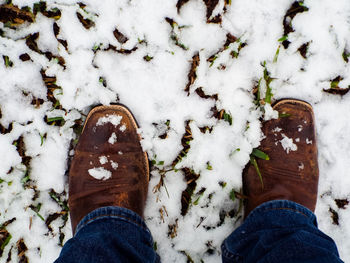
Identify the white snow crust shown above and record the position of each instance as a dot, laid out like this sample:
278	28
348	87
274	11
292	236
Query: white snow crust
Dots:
122	128
113	138
114	119
288	144
114	165
103	159
100	173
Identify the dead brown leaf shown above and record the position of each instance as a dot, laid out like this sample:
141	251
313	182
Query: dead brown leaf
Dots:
202	94
186	196
342	203
119	36
211	4
303	49
31	42
12	14
296	8
21	250
87	23
180	3
334	216
122	50
24	57
229	40
335	89
216	19
50	83
192	75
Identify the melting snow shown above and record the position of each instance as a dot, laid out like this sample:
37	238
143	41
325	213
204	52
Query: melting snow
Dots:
287	144
122	128
100	173
103	159
113	138
114	119
114	165
269	112
308	141
301	166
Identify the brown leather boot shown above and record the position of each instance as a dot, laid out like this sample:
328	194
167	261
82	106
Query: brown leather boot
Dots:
109	167
292	171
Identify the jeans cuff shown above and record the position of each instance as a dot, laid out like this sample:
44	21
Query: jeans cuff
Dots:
114	212
282	205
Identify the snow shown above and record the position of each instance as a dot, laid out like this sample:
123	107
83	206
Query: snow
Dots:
9	155
301	166
277	129
103	159
154	91
288	144
113	138
114	165
122	128
114	119
308	141
100	173
269	112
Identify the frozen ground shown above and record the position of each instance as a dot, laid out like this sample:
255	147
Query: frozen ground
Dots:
191	72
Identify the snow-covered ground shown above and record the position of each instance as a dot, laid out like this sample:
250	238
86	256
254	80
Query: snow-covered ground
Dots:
189	71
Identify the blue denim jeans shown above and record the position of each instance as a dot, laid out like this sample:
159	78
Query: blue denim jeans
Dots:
110	235
279	231
276	231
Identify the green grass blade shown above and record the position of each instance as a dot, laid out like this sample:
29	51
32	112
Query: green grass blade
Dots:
283	115
5	243
276	55
232	195
283	38
260	154
255	164
55	119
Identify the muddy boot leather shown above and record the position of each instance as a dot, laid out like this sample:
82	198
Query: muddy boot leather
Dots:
105	144
289	175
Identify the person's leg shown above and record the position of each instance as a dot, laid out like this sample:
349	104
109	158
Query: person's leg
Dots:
108	183
280	225
279	231
110	235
